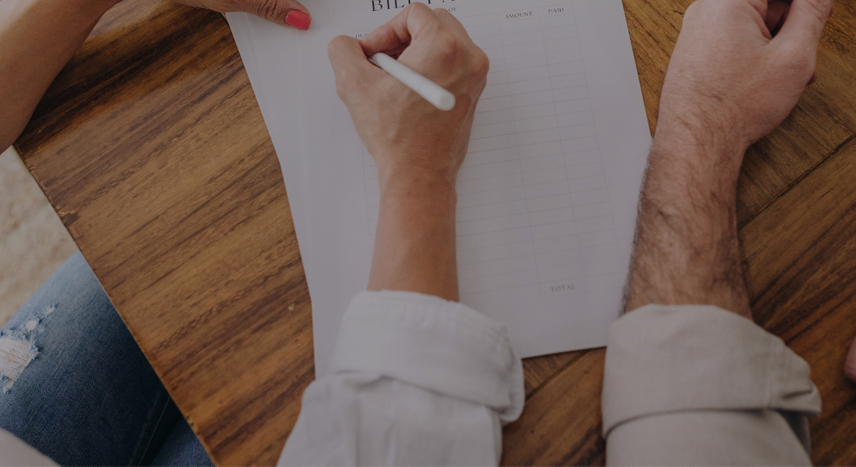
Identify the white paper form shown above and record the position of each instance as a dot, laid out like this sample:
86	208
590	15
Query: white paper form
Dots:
547	194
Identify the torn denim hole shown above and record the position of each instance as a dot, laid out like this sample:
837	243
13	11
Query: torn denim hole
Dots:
18	347
15	355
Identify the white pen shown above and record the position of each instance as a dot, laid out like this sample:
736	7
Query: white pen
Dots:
431	91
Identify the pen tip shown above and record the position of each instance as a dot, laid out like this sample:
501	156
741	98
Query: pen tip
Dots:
446	102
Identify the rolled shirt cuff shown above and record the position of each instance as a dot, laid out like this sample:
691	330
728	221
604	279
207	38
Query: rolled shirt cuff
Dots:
663	359
441	346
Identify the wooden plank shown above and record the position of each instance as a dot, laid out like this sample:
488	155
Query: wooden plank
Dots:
801	272
561	424
654	27
537	370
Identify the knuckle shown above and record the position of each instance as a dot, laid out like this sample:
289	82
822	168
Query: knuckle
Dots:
481	64
447	43
269	9
705	9
807	66
443	13
800	62
340	90
222	6
695	9
343	83
231	5
821	9
695	6
335	44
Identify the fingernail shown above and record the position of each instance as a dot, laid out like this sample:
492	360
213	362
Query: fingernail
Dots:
298	19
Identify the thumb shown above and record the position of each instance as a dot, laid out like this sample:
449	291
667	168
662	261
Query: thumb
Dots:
282	12
805	22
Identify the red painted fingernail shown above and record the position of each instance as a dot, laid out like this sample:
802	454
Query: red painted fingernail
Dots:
298	19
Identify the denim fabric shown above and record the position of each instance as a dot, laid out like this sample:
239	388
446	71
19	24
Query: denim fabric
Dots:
89	397
181	448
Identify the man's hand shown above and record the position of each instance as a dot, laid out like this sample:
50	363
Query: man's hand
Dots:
730	81
737	71
418	149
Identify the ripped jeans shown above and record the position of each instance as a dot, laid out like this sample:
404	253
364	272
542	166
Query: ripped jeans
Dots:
87	396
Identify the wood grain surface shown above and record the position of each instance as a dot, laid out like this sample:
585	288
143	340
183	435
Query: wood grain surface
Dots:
151	147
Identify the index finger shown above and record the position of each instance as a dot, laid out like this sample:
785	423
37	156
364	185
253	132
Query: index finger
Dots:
402	29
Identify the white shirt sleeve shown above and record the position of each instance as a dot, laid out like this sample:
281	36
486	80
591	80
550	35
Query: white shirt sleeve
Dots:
416	380
14	452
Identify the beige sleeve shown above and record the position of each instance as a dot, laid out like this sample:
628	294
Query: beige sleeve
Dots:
697	385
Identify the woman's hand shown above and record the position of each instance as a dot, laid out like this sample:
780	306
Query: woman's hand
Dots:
283	12
38	37
405	134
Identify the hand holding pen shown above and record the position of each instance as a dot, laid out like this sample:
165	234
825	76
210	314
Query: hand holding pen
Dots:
400	128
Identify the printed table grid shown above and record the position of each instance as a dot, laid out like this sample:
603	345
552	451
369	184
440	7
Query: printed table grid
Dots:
533	208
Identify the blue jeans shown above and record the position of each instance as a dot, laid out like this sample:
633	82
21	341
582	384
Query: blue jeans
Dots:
89	397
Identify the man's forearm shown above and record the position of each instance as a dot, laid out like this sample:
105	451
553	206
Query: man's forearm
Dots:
731	81
687	250
37	38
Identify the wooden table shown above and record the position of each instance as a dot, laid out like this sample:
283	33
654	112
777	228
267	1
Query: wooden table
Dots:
151	148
